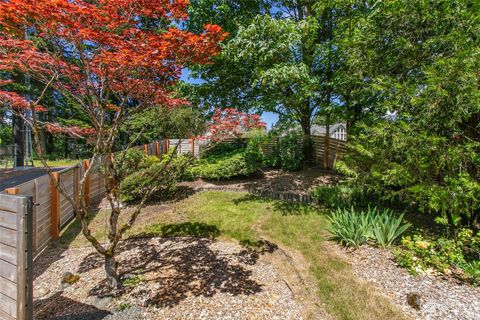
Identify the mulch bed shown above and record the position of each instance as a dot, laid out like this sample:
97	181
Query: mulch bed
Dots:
301	182
437	298
170	278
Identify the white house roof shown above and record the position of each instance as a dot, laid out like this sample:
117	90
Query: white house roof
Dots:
318	129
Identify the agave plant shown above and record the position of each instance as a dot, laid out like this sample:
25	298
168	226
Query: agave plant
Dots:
386	227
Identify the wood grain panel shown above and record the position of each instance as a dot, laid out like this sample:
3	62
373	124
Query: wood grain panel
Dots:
8	288
8	219
8	271
8	253
8	308
8	237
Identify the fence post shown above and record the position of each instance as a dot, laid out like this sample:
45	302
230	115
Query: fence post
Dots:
12	191
167	145
55	207
157	149
192	142
145	149
86	165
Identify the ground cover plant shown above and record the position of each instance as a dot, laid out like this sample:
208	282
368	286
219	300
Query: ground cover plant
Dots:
226	160
458	256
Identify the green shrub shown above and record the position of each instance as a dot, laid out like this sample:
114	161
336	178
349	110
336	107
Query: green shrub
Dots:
237	163
291	152
272	159
352	228
133	160
161	177
217	149
442	255
340	196
225	161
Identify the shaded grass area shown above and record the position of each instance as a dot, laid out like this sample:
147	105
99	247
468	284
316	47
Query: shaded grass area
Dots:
248	219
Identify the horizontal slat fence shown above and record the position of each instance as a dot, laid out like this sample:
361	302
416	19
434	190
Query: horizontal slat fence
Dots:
15	257
52	211
336	147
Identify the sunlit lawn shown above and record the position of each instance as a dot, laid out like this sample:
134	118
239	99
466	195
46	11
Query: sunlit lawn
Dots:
57	163
245	218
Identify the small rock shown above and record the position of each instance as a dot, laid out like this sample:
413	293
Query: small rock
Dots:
70	278
413	300
102	302
40	292
128	276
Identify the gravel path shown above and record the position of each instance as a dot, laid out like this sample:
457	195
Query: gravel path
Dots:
172	278
439	298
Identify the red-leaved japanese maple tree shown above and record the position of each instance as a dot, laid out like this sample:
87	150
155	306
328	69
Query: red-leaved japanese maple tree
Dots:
113	58
230	123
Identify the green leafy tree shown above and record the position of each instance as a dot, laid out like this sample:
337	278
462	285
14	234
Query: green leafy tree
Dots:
152	124
416	63
280	58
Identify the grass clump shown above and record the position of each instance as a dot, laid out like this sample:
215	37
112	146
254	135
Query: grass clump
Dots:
133	281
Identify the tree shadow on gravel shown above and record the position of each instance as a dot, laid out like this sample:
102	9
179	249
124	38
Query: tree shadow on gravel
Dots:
171	269
64	308
187	229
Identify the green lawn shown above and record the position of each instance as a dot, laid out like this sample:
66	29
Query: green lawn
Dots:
247	219
57	163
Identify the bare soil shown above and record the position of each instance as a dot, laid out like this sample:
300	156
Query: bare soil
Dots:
301	182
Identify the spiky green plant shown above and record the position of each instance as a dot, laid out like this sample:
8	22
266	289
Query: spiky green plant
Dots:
350	228
386	227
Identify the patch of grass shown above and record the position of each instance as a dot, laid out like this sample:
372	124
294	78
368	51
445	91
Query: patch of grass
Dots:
57	163
133	281
185	229
303	228
124	306
248	219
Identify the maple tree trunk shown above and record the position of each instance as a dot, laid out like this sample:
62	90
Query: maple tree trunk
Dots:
18	139
111	271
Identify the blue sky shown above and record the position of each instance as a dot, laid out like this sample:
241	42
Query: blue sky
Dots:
269	118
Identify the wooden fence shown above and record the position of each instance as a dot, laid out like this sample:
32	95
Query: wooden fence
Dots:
16	292
26	229
336	147
52	210
183	146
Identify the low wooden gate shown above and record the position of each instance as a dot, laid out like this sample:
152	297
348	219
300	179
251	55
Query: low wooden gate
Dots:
16	274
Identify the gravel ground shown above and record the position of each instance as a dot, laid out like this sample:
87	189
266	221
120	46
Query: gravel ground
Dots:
170	278
439	298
